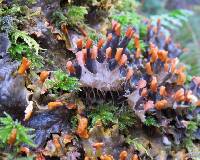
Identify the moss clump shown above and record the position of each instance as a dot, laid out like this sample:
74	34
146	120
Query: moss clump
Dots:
71	15
61	82
110	114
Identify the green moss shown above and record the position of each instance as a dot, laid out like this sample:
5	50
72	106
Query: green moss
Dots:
126	5
103	113
110	114
14	10
150	121
31	1
188	142
192	127
71	15
62	82
76	14
137	144
126	119
127	18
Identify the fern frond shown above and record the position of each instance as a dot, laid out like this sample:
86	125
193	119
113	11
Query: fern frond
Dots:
16	34
174	19
22	44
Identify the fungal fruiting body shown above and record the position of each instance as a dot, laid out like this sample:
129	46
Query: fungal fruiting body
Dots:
150	77
24	66
54	105
123	155
82	128
43	76
102	66
12	137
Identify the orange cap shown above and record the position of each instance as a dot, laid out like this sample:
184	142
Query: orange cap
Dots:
67	138
154	84
118	29
70	67
108	52
12	137
43	76
135	157
181	78
144	92
24	66
129	32
123	155
79	43
106	157
129	74
54	105
154	55
163	91
138	53
179	95
100	43
136	41
98	145
88	43
161	104
71	106
123	60
94	52
162	55
118	54
148	68
141	83
148	105
82	128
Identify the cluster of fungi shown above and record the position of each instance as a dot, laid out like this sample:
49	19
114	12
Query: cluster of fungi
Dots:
151	78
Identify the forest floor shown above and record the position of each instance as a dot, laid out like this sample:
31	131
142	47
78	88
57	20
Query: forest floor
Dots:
99	80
